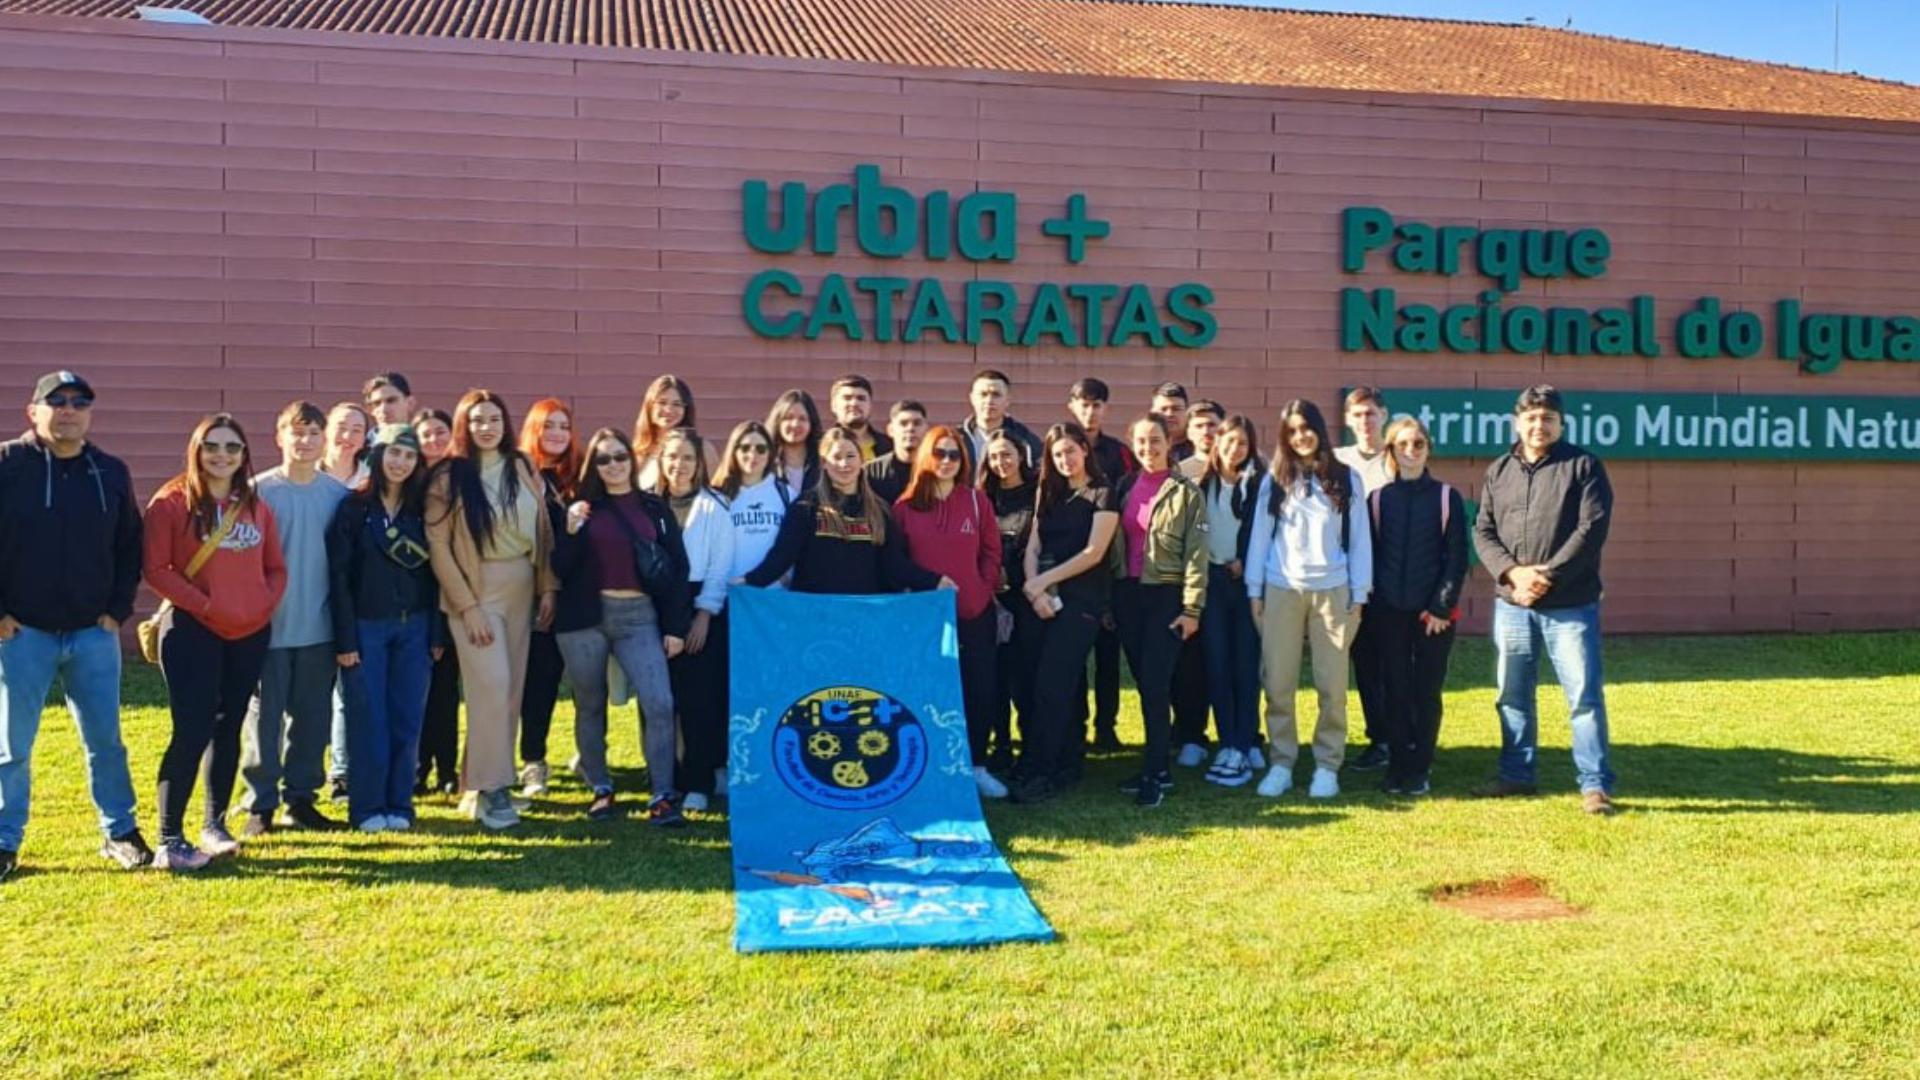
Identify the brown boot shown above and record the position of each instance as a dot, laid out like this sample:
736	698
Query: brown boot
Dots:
1497	788
1596	802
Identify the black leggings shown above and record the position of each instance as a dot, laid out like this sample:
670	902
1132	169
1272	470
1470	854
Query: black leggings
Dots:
1145	613
210	680
700	693
440	731
1413	669
1061	660
544	669
979	663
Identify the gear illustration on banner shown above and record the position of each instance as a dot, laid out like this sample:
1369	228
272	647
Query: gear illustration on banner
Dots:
849	748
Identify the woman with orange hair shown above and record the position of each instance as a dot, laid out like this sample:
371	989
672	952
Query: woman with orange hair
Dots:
548	441
952	535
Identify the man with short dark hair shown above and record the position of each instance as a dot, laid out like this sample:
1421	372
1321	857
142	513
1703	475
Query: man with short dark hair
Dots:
69	566
851	399
1364	414
990	395
1170	404
1087	403
389	397
906	424
1204	418
1544	512
1191	703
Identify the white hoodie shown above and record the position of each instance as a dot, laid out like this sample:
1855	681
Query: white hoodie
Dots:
756	514
1302	549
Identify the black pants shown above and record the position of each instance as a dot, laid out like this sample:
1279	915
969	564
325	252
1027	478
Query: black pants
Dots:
1060	661
1369	679
1106	685
700	697
440	730
1013	674
1413	665
1144	613
1190	700
544	669
979	663
210	680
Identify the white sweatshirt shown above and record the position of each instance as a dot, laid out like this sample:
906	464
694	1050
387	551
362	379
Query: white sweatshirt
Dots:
1302	550
708	534
756	514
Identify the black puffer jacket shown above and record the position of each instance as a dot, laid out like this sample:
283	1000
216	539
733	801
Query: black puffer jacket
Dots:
1417	564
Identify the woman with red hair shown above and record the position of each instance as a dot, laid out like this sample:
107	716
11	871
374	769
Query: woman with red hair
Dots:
548	441
951	533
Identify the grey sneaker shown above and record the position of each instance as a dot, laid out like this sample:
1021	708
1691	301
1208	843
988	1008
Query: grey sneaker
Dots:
533	779
496	811
179	855
129	849
217	842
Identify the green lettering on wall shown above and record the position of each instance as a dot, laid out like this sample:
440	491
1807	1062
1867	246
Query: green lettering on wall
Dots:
1138	318
753	299
834	307
931	312
1048	316
1189	302
1000	312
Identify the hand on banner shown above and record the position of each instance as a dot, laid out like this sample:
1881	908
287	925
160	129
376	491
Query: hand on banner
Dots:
543	616
1184	627
697	633
479	631
948	584
674	646
348	659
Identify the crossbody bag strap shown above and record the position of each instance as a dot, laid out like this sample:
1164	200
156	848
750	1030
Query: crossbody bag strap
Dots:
213	542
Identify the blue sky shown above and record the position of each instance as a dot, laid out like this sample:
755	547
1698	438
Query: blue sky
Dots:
1880	38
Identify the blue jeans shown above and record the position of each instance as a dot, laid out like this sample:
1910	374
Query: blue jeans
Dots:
88	663
386	696
1570	637
1232	647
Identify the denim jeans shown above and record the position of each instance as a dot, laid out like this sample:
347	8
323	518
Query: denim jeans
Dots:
1570	638
88	663
386	695
1232	647
629	632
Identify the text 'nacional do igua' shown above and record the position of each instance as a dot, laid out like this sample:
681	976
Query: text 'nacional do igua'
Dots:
979	227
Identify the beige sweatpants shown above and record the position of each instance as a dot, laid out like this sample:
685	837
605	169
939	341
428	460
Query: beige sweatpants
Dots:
1328	623
493	677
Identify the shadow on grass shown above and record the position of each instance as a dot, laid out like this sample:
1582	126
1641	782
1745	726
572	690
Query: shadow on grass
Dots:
1716	780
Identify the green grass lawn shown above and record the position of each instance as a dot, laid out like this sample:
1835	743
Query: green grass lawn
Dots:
1755	910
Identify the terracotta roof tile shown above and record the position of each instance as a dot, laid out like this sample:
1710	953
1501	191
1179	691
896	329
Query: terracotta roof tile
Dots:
1124	38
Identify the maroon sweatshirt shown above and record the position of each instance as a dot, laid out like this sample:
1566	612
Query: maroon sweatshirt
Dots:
958	537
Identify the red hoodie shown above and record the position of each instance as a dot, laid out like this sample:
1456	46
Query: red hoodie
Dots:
235	593
959	538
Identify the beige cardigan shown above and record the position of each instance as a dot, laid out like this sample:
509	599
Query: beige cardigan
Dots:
456	558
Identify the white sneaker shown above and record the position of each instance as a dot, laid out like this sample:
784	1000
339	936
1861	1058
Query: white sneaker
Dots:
990	787
694	801
1326	784
1223	764
1278	782
1233	772
470	804
720	781
397	823
533	779
1191	755
376	823
1257	759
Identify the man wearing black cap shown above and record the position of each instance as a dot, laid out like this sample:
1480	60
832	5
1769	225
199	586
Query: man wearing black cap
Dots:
69	565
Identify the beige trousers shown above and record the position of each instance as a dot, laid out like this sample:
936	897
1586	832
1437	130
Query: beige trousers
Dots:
493	677
1328	623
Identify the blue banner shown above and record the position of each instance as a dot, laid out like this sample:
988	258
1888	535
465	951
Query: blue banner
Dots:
856	823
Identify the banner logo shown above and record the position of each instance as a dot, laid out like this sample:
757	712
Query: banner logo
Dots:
849	748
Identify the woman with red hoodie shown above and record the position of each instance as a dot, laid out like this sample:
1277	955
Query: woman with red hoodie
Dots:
212	553
951	533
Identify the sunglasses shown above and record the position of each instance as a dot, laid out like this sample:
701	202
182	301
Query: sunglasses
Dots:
947	455
612	459
223	447
68	401
755	448
1412	444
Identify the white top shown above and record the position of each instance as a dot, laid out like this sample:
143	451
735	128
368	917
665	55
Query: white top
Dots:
1223	528
1302	550
1372	470
756	514
708	535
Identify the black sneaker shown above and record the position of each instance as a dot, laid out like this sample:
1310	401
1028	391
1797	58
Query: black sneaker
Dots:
8	861
257	825
337	789
1161	781
1372	759
1106	741
1032	790
1417	787
1149	793
129	850
305	815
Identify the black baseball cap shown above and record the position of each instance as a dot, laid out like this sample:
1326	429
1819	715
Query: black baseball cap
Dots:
59	380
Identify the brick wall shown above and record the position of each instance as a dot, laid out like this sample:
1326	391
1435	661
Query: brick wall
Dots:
216	217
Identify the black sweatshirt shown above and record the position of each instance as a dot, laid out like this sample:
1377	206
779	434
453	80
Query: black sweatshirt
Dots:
1417	566
366	583
1554	512
824	560
578	607
69	537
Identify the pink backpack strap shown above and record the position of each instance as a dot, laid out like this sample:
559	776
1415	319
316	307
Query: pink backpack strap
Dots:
1373	503
1446	507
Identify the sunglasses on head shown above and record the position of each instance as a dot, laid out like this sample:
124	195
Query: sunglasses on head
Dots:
223	447
65	401
948	455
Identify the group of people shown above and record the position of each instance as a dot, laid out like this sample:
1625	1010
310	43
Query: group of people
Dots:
323	619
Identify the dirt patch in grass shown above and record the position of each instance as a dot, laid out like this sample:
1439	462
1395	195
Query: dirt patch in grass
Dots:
1512	899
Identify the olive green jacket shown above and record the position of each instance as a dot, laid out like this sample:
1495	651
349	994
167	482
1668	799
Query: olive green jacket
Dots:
1176	539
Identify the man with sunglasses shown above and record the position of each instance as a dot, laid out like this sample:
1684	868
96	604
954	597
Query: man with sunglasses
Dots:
69	565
